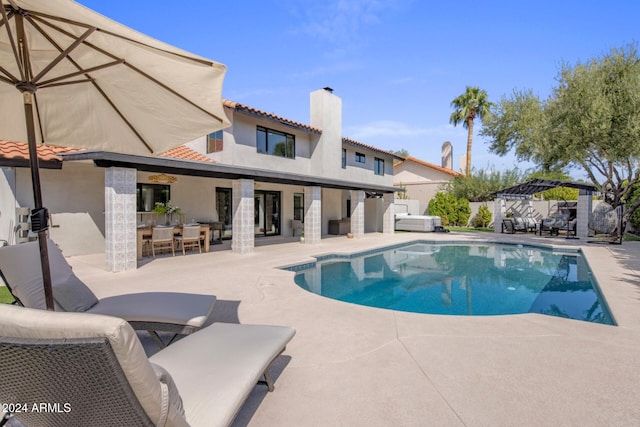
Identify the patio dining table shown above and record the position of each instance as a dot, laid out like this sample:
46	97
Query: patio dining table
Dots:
145	233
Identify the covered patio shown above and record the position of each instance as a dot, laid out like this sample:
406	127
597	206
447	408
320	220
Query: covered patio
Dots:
122	172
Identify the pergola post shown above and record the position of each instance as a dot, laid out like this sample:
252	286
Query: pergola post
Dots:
499	213
583	213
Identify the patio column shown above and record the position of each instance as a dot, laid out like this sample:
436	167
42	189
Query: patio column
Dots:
388	217
583	212
312	215
243	238
120	219
357	213
499	212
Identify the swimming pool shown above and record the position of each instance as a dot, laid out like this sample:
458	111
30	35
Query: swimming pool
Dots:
461	279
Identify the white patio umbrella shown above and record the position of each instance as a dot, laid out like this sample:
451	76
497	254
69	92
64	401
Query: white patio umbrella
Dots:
72	77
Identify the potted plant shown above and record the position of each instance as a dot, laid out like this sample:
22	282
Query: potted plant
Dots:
168	210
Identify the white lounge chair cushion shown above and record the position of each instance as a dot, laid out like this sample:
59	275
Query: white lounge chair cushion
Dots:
174	395
20	322
163	307
20	264
216	368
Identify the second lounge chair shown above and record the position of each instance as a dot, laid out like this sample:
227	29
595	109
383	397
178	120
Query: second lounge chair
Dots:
173	312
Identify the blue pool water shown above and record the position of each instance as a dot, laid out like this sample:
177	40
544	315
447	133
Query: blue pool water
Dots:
461	279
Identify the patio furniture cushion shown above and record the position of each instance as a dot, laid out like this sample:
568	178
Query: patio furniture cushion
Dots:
164	307
20	265
20	322
175	312
235	357
174	395
201	380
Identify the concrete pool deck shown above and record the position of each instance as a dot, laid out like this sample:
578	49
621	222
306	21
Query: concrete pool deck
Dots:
350	365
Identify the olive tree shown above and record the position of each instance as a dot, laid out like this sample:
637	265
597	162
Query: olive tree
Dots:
591	121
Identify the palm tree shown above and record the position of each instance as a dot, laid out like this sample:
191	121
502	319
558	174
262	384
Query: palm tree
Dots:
471	104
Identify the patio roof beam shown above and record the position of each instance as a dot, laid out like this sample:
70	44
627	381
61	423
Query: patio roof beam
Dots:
216	170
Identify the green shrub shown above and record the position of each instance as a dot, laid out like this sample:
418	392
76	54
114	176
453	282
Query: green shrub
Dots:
450	209
464	212
483	218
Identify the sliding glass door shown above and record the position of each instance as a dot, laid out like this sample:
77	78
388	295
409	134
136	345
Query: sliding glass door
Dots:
267	213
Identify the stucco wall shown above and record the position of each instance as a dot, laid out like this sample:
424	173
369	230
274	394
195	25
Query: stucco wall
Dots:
74	196
333	207
421	182
8	204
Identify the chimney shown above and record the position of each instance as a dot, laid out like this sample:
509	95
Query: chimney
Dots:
447	155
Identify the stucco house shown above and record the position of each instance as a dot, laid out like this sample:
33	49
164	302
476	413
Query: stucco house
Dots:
421	180
257	177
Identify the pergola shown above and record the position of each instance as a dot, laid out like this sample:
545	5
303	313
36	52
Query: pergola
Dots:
525	191
528	189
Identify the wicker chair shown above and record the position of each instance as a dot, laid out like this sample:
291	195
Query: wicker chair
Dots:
162	238
91	370
190	238
174	312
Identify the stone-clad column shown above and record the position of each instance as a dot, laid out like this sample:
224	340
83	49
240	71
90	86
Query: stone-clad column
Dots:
357	213
499	210
583	212
243	238
312	215
388	215
120	219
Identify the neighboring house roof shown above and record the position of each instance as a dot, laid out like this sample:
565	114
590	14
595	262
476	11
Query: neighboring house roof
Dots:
355	143
250	111
427	164
185	153
17	154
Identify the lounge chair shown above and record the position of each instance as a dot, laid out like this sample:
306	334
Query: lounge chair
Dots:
91	370
174	312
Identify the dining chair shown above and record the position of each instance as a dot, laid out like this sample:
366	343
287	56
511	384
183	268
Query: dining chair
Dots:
162	238
190	238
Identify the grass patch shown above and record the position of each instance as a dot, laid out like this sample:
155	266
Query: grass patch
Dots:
471	229
5	296
628	237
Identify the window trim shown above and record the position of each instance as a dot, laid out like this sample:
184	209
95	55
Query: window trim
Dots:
162	188
216	140
378	166
298	209
287	136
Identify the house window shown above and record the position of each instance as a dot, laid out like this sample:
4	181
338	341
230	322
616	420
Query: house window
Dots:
276	143
360	158
148	195
298	206
344	158
378	166
214	142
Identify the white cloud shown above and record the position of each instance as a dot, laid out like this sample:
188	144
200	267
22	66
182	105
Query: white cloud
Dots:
339	21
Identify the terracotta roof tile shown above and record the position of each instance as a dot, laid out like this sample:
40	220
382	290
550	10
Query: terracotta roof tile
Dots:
183	152
20	151
370	147
430	165
269	116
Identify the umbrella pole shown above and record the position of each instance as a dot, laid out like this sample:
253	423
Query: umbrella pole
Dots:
37	198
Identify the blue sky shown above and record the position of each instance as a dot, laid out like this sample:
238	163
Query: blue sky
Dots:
396	64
